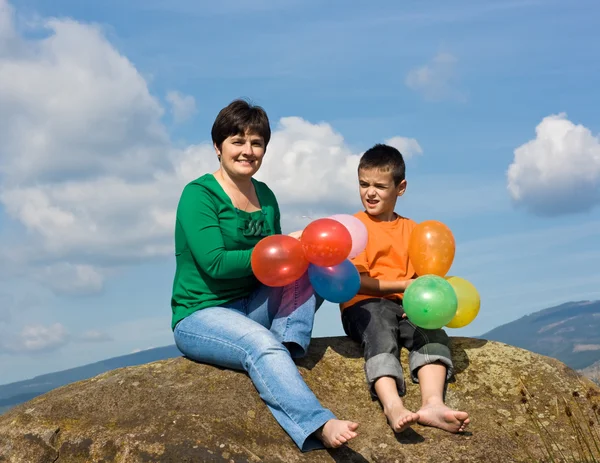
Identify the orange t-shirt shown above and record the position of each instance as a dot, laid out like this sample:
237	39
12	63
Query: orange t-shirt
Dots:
386	254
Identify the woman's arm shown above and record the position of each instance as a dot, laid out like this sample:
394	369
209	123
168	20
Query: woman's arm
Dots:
197	216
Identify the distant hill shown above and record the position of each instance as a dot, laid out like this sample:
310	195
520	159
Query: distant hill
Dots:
15	393
569	332
593	372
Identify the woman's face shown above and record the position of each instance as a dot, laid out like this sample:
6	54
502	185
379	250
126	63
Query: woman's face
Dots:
242	154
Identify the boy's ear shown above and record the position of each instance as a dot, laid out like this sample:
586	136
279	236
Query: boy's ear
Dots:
401	188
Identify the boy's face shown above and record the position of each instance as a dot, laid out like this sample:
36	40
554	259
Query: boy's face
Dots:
378	192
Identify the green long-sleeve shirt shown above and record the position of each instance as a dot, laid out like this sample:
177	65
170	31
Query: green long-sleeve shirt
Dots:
213	245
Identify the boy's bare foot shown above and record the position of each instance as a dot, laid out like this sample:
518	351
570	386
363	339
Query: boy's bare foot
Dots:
443	417
400	418
336	433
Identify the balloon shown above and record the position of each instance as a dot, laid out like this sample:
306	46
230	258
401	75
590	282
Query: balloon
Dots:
338	283
278	260
430	302
358	232
431	248
468	302
326	242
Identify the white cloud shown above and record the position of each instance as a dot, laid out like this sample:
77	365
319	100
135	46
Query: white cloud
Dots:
94	336
35	338
409	147
70	279
309	164
437	79
182	106
72	107
558	172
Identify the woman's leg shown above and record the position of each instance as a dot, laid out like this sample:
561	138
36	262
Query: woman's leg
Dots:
227	338
288	311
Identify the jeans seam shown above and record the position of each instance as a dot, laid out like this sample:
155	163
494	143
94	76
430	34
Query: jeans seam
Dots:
425	336
187	333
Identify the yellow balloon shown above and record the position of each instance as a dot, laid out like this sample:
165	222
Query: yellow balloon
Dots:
468	302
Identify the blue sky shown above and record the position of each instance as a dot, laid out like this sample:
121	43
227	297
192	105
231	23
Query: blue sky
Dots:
106	109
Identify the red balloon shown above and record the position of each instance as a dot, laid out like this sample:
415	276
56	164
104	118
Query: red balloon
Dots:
326	242
278	260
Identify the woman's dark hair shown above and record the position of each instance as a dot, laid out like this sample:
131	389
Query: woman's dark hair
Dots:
238	118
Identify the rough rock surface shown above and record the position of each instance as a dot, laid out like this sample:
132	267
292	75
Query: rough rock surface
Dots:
180	411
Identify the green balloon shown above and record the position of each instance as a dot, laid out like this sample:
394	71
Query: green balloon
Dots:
430	302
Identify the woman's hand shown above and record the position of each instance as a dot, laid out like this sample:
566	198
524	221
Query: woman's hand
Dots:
296	234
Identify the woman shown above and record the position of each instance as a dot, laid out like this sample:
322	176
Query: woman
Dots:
221	314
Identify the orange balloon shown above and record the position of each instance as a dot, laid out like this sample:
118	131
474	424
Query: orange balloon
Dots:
326	242
278	260
431	248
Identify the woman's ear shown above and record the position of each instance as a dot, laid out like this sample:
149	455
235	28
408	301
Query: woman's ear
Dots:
218	151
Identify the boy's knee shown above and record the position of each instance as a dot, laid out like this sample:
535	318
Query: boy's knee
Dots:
423	337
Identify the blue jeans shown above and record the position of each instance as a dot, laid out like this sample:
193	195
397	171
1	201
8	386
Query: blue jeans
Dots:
259	334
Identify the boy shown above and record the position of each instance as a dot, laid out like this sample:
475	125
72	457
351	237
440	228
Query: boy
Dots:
375	317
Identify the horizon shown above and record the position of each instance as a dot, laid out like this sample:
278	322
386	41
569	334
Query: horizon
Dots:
106	112
342	335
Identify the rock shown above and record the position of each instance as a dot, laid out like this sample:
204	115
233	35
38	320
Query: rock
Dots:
180	411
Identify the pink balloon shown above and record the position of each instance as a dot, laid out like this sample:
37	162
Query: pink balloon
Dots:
357	230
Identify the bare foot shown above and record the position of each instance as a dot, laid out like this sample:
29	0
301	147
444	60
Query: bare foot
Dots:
336	433
443	417
399	417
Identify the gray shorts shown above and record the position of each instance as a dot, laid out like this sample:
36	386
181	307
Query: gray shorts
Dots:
377	324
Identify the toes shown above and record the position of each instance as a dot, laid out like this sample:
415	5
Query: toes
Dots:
349	435
353	426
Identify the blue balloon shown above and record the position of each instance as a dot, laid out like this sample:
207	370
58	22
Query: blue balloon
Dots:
339	283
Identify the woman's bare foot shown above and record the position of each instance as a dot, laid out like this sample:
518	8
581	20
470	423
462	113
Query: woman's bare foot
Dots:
336	433
399	417
443	417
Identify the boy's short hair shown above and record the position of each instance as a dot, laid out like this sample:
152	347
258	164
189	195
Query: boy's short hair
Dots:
239	117
385	158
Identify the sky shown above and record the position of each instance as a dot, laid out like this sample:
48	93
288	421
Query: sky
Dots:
105	114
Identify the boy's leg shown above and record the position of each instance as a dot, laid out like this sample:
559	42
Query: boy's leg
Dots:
431	366
288	311
226	337
374	323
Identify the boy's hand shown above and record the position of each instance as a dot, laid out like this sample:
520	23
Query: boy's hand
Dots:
408	283
296	234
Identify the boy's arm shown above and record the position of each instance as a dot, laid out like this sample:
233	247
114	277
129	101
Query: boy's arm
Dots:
373	287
